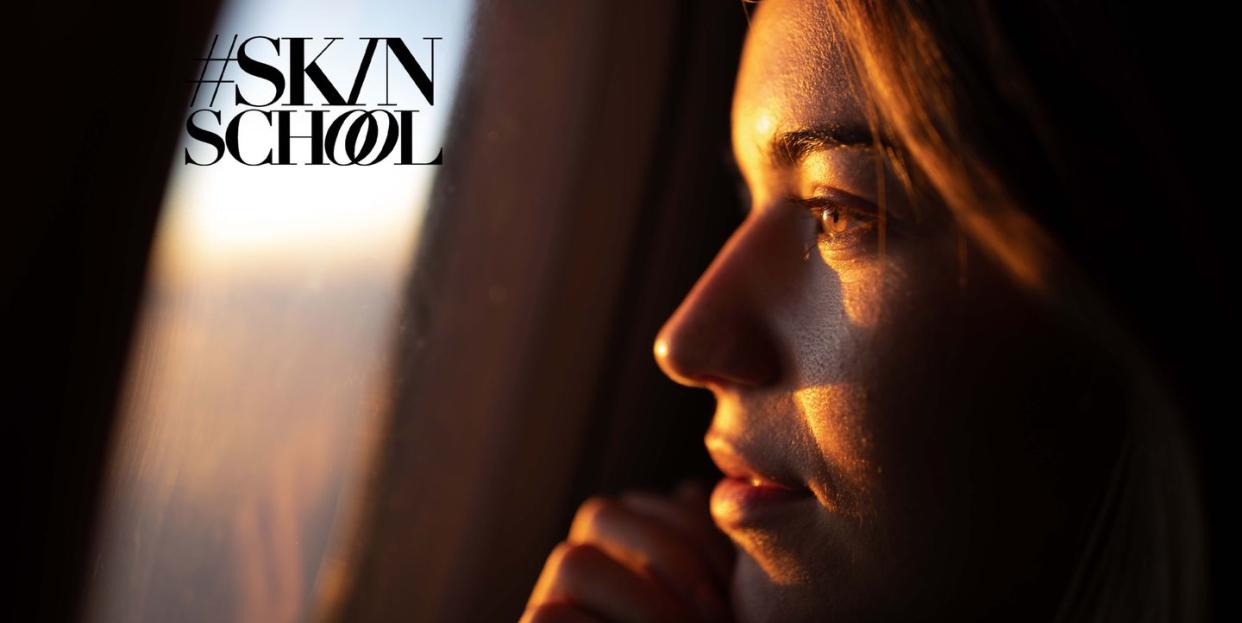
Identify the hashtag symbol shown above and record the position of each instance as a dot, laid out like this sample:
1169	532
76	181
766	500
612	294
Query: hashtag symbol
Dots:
202	75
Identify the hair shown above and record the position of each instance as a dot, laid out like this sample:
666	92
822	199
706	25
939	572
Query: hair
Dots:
1034	125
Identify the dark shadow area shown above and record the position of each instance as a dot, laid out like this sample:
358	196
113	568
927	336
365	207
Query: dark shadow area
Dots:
104	87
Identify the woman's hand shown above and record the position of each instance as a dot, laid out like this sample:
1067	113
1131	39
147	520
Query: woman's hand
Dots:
638	557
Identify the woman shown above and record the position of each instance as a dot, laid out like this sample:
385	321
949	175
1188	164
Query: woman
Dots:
928	404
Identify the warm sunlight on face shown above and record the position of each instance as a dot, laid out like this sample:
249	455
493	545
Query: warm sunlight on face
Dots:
886	431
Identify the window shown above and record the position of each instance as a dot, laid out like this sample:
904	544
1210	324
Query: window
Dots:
357	395
258	374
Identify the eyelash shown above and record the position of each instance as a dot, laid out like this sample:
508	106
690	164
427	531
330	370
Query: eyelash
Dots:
838	223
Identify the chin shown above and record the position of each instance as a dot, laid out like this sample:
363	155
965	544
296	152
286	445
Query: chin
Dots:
826	575
759	598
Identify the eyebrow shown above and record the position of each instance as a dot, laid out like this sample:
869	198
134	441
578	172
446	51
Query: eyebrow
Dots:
788	149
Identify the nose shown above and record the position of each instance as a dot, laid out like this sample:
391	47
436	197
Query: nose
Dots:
722	335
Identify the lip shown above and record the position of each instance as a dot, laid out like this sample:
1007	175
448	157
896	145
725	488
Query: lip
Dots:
749	495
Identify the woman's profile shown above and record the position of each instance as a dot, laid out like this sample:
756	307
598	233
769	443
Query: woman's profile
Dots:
932	402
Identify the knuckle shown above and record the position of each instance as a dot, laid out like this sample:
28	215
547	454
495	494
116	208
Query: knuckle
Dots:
575	558
563	572
591	513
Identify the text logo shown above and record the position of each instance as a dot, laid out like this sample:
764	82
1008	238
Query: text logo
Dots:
298	101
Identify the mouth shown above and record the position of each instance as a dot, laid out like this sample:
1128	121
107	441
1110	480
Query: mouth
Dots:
749	495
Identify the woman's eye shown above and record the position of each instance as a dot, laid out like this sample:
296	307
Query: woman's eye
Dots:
839	223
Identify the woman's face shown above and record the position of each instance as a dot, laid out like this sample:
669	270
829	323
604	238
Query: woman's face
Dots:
903	431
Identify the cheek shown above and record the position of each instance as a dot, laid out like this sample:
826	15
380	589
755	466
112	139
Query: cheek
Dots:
876	391
910	366
859	336
866	289
835	415
853	315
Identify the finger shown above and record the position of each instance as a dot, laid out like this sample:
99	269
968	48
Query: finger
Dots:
583	575
696	527
557	612
648	546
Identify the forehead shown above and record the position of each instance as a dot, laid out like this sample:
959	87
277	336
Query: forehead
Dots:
794	75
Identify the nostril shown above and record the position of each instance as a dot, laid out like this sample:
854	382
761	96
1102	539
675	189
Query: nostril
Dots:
680	357
696	356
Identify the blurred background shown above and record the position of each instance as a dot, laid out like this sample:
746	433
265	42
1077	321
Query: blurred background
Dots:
355	393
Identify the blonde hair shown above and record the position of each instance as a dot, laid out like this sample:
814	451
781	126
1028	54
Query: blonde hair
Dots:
940	81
